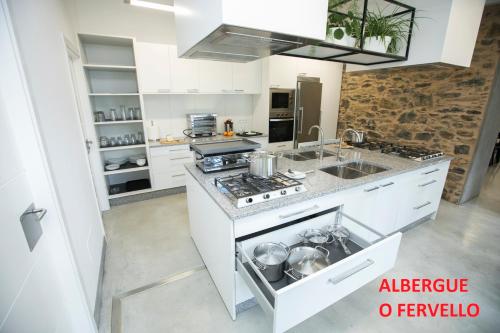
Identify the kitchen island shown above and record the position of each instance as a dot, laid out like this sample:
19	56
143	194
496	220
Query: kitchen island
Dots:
374	208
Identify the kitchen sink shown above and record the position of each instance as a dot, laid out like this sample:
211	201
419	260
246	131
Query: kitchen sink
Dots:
295	157
307	155
353	170
315	154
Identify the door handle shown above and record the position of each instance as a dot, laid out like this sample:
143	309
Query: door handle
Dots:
422	206
429	172
88	144
301	112
372	189
428	183
367	263
388	184
299	212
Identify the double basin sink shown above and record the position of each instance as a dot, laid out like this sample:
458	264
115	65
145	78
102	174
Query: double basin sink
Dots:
350	170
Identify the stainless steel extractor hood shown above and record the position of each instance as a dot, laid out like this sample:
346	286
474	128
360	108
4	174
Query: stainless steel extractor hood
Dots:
236	44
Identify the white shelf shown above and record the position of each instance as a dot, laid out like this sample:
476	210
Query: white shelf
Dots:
119	122
122	147
115	172
126	194
114	94
111	68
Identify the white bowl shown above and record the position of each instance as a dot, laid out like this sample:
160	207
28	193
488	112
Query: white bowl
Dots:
111	167
141	161
117	160
134	158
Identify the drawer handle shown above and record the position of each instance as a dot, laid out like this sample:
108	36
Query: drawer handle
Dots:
179	175
388	184
299	212
178	150
192	90
428	183
163	90
180	158
429	172
239	90
372	189
281	146
422	206
367	263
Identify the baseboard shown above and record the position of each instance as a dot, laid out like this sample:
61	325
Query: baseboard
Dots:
98	296
146	196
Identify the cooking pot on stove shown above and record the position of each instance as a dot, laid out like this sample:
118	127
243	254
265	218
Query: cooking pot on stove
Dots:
263	164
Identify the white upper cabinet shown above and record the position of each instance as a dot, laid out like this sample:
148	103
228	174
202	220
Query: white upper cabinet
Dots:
185	73
446	33
153	64
247	77
282	72
215	76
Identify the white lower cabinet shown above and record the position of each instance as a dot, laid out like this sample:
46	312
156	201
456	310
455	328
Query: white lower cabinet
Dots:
167	166
290	302
396	202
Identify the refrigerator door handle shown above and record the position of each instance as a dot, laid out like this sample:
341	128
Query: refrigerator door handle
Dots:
301	112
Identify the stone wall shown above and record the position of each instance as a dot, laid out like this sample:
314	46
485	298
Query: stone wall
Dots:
433	106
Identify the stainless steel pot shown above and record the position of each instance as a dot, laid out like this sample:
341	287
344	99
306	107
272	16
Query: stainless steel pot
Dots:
304	261
355	139
263	164
316	237
270	259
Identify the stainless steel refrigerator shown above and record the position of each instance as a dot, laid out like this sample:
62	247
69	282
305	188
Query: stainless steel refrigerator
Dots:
307	109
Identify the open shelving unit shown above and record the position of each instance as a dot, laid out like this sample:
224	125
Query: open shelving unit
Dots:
358	52
111	75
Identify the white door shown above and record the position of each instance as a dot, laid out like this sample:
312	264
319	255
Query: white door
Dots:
153	65
185	74
40	286
216	76
247	77
30	299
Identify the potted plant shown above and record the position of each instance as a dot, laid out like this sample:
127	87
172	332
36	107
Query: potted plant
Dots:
343	29
385	33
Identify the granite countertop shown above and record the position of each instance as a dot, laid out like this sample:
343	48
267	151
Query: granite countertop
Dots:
318	183
186	140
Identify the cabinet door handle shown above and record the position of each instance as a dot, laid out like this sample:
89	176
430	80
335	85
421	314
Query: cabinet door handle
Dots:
192	90
179	175
429	172
428	183
388	184
422	206
367	263
163	90
372	189
178	150
239	90
180	158
299	212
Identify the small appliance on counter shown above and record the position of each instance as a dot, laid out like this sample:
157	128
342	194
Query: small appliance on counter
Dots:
223	155
246	189
201	124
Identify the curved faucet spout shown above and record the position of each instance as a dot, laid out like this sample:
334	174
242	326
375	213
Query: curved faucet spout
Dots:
322	138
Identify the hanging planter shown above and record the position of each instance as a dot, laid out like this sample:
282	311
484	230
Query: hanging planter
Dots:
377	44
339	36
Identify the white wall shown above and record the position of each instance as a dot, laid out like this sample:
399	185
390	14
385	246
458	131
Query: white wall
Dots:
114	17
169	111
39	27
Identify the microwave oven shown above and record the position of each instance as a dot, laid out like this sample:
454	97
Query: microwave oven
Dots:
281	103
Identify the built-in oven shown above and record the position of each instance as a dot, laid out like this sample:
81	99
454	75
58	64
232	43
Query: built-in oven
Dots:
281	129
281	115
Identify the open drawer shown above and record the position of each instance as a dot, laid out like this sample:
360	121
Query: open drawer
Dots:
289	303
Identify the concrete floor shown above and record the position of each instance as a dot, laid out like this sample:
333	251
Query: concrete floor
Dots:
149	240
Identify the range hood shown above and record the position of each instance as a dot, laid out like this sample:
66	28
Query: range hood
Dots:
243	31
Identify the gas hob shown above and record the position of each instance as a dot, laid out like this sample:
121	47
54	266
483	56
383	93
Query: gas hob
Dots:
413	153
246	189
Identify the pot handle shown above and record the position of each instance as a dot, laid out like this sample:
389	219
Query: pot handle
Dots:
259	265
322	249
330	234
287	272
303	237
287	248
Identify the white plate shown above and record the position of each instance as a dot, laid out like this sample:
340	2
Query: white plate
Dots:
112	167
296	174
134	158
116	160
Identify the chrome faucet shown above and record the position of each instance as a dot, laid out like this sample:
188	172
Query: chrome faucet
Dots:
340	140
322	138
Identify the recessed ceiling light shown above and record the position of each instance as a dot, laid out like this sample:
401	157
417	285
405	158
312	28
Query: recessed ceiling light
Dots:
151	5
